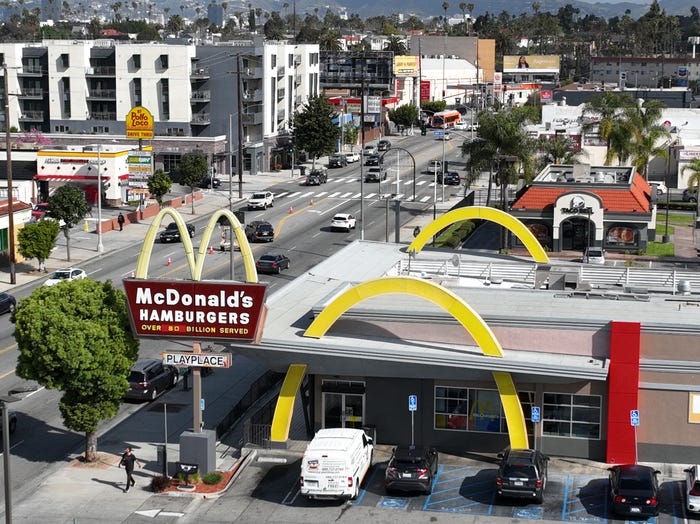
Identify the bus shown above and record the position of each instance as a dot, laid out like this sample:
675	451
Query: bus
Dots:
445	119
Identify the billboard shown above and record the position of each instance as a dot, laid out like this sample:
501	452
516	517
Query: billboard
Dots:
194	310
531	64
406	66
425	91
140	166
139	123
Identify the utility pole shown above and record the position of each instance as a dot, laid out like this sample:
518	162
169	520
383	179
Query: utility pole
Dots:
8	163
240	129
362	142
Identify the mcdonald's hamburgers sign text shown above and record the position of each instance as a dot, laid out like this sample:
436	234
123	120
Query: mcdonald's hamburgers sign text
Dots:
187	309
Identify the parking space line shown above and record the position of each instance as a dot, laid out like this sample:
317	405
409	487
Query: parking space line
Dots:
293	493
368	482
572	496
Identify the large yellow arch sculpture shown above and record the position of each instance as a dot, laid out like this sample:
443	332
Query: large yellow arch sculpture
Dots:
196	264
460	310
484	213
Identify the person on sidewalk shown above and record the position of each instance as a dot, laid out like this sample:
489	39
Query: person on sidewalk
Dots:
128	460
120	220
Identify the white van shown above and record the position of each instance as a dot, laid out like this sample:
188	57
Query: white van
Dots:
335	463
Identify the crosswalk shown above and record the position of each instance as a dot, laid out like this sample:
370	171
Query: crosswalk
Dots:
336	192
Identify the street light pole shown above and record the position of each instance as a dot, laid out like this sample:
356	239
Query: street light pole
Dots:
8	163
240	128
100	247
230	188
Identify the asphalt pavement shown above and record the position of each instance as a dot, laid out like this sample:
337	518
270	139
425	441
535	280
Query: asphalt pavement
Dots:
74	492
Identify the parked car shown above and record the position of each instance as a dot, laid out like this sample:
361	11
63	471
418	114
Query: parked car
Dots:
522	474
411	468
445	136
451	178
659	186
594	255
370	150
7	303
261	200
259	231
209	182
317	177
172	233
272	263
40	210
634	490
383	145
690	196
375	174
352	156
692	489
373	160
339	160
343	222
148	378
461	124
65	275
435	166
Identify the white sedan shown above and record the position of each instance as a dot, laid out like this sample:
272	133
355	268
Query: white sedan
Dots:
65	274
692	489
343	221
352	156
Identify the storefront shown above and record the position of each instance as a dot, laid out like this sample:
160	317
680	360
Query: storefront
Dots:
571	209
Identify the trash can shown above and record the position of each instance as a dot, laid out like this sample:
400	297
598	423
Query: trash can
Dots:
302	170
162	457
371	431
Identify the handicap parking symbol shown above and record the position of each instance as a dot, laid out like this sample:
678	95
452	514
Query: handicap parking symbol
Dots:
393	503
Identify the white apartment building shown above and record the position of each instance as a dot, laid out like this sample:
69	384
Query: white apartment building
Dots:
87	87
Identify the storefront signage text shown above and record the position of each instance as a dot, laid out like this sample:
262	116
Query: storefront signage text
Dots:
202	360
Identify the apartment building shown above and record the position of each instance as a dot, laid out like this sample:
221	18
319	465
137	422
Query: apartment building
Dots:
87	87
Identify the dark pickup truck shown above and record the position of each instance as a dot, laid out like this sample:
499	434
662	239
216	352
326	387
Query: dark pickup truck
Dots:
316	177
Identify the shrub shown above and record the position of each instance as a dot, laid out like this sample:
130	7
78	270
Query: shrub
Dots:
212	478
160	483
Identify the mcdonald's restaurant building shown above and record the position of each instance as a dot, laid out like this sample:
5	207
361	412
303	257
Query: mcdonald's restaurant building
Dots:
571	207
481	341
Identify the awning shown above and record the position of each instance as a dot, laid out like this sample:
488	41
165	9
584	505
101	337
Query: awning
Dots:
55	177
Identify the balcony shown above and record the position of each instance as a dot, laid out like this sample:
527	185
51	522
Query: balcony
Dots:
280	93
32	116
103	115
31	92
281	70
200	73
252	72
100	71
297	80
253	95
297	60
200	119
30	70
281	114
252	119
102	94
200	97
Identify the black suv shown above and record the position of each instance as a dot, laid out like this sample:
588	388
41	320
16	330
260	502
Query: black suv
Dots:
522	474
374	160
148	378
411	468
259	231
209	182
172	233
383	145
317	177
338	160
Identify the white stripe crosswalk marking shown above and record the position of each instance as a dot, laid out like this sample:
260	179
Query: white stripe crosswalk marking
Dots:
425	199
357	195
346	195
333	195
371	195
292	195
280	195
322	193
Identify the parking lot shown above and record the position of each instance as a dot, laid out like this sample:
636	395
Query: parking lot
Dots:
575	492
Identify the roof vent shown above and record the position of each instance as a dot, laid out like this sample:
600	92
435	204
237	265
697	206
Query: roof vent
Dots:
684	287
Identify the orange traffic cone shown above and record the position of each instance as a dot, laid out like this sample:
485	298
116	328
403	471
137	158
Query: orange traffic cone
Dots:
291	210
170	262
211	250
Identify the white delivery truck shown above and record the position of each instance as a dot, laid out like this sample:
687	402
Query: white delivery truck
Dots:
335	463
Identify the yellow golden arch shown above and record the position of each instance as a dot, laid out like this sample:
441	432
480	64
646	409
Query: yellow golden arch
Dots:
196	264
484	213
460	310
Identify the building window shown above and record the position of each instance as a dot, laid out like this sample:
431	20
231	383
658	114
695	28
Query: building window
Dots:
137	92
575	416
165	98
290	60
65	60
468	409
171	163
163	61
273	61
65	97
136	59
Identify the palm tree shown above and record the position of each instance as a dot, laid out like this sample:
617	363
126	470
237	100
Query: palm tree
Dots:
605	108
693	180
329	40
647	133
396	45
445	7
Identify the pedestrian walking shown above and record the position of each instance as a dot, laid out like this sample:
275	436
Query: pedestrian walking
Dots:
120	220
128	460
416	231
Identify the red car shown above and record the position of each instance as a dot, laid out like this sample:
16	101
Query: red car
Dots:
40	210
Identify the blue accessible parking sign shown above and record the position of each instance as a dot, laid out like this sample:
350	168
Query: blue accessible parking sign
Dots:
412	402
634	417
535	414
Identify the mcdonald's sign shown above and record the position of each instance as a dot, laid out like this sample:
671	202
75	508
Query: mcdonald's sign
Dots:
192	308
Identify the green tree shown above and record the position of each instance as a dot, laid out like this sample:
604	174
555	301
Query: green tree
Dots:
75	337
693	180
192	170
38	240
350	134
557	150
68	206
396	45
647	132
314	130
605	108
434	106
159	185
405	115
329	40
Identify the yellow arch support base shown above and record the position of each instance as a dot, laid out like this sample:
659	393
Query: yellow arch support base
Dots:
517	432
284	410
484	213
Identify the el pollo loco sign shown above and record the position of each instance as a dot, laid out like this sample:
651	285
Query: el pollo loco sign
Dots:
201	310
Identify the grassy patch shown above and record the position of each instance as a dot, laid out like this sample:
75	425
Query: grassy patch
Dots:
659	249
677	219
661	229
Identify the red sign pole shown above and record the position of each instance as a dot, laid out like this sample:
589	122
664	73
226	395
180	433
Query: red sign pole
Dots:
197	421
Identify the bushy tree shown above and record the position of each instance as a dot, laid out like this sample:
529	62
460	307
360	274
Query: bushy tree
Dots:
75	337
68	206
350	133
314	130
159	185
405	115
38	240
192	170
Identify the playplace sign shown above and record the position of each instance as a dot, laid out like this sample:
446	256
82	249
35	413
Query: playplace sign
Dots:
194	310
201	360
